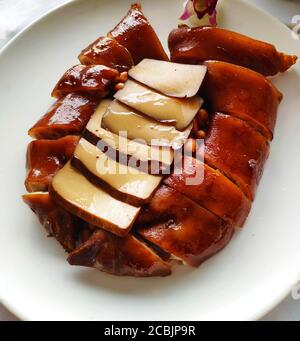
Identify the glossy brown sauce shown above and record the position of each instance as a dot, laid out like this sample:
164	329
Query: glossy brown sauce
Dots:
188	231
45	158
215	192
96	80
237	150
67	116
136	34
107	51
243	93
196	45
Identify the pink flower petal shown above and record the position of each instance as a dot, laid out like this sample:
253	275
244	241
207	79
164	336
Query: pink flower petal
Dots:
201	8
213	18
188	10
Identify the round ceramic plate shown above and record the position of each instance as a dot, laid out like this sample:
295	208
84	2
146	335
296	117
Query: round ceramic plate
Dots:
243	282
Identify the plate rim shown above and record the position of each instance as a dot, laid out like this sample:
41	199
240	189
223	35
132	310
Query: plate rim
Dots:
271	304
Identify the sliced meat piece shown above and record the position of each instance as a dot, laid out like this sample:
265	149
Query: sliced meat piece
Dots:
119	256
98	251
212	190
137	35
108	52
243	93
45	158
96	80
85	234
59	223
137	259
196	45
68	115
183	228
237	150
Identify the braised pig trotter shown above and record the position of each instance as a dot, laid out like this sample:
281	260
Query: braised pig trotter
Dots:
243	93
67	116
137	35
215	192
45	158
108	52
104	202
59	223
96	80
237	150
119	256
196	45
183	228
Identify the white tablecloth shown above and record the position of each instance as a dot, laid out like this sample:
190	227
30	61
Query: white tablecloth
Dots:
15	14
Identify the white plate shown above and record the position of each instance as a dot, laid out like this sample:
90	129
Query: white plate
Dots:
243	282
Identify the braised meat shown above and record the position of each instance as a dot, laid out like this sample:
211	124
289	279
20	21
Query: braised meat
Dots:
237	150
196	45
67	116
243	93
183	228
96	80
119	256
59	223
211	189
136	34
45	158
108	52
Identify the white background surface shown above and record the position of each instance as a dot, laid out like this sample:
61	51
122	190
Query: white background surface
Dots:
15	14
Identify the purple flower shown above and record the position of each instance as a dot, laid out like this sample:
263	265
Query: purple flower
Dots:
201	8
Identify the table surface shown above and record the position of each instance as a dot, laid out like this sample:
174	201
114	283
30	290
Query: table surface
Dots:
16	14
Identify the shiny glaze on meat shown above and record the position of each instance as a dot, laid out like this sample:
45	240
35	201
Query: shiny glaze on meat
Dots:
243	93
108	52
68	115
182	227
214	191
96	80
196	45
119	256
44	159
237	150
137	35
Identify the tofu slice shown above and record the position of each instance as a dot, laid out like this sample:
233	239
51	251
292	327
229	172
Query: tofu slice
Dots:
76	194
179	112
123	182
120	119
171	79
157	159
